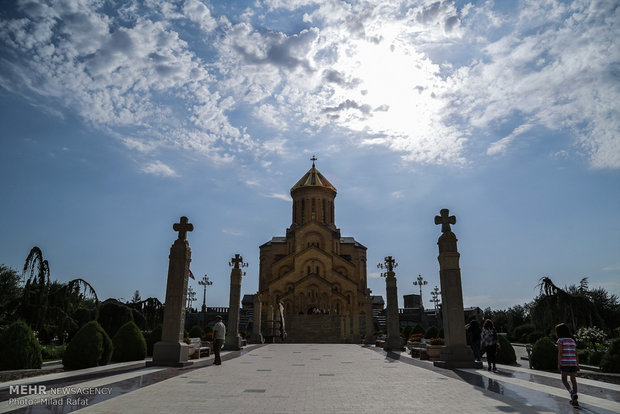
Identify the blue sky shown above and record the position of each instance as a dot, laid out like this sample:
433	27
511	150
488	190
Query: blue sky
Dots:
119	117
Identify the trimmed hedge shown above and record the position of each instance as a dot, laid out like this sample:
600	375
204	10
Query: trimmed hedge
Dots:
611	360
91	346
431	332
544	354
152	338
113	315
129	343
19	349
418	329
506	353
196	332
521	332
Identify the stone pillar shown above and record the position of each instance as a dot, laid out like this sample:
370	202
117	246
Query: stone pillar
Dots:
356	321
233	341
370	334
456	353
171	350
393	342
269	322
257	335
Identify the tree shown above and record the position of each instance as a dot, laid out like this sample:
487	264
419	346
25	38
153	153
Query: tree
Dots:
136	297
10	294
34	302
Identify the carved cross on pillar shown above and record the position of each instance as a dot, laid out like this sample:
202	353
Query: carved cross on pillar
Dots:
445	220
183	227
389	265
237	262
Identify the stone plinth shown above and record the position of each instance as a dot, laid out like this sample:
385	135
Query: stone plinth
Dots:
171	350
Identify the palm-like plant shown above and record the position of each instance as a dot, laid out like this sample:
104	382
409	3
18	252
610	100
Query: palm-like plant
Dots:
37	274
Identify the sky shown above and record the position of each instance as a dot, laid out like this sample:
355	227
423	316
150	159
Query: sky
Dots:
119	117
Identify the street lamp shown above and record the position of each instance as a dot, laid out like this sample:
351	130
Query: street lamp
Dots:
204	282
420	282
191	297
435	294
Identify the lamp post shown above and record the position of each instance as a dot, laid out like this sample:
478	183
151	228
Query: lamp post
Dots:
420	282
205	282
435	294
191	297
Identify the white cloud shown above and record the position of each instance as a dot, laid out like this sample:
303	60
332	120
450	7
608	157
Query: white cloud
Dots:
425	79
159	168
279	196
501	146
199	13
233	232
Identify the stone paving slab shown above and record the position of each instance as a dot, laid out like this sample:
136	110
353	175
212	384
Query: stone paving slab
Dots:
327	378
294	378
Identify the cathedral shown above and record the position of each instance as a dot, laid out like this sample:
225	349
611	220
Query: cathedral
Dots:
313	269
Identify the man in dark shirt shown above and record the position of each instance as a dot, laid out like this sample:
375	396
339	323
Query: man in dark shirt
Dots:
474	329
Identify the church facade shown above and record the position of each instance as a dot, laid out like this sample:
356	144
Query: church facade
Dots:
313	269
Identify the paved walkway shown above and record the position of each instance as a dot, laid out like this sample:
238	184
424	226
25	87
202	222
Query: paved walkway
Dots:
310	378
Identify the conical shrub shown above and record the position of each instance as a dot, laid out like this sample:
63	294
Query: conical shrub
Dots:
129	343
91	346
19	349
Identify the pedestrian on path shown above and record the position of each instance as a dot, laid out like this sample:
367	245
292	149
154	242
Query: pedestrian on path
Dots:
219	334
568	361
490	343
474	329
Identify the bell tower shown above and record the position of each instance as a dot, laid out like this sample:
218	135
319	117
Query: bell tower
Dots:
313	200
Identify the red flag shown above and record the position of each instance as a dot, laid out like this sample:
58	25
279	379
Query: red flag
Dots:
191	274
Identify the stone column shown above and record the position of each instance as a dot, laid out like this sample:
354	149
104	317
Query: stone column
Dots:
269	322
171	350
257	335
456	353
393	342
356	320
370	334
233	342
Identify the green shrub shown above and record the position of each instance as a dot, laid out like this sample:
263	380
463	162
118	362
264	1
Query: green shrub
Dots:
521	332
19	349
441	334
544	354
611	360
52	352
583	355
431	332
506	353
152	338
113	315
534	336
418	329
91	346
407	331
595	358
129	343
196	332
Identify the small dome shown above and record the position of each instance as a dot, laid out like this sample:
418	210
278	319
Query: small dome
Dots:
313	178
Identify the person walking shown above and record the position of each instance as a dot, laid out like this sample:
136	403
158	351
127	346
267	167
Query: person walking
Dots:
490	343
474	329
219	334
568	361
